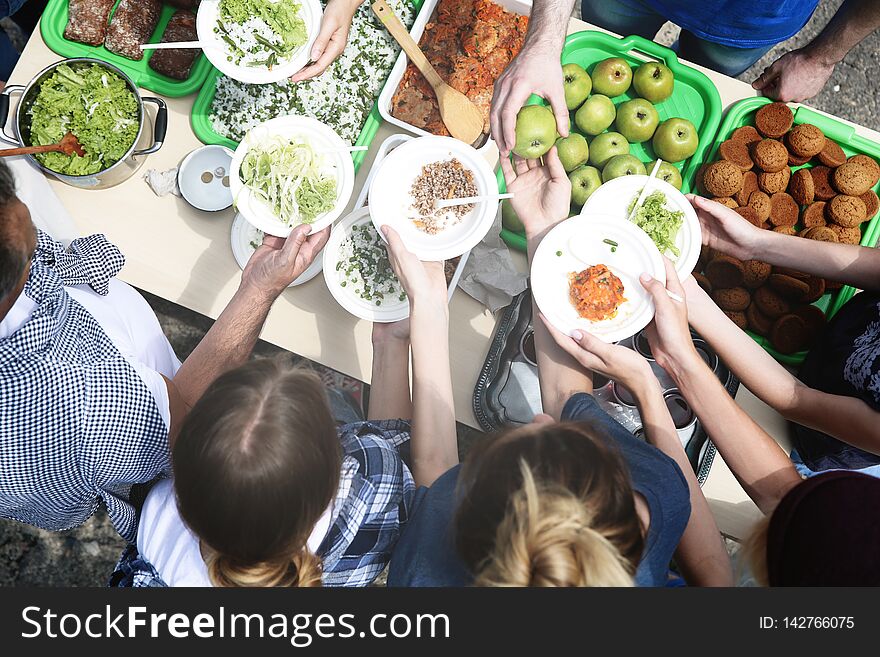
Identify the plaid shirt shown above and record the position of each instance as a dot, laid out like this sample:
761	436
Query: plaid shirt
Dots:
78	426
372	503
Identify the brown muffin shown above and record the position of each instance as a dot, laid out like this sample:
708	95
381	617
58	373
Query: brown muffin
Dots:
846	211
813	215
770	303
760	203
831	286
724	271
872	203
749	214
788	287
785	230
703	282
822	183
817	289
746	134
832	154
783	210
806	140
735	298
736	152
726	201
755	273
774	120
820	234
738	317
794	273
847	234
801	187
722	178
758	321
814	319
869	164
796	160
852	178
770	155
750	184
789	334
771	183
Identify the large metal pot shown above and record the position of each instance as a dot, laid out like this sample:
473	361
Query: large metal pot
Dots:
121	170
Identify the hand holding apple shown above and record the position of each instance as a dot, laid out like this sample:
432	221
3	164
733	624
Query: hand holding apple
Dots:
535	131
541	193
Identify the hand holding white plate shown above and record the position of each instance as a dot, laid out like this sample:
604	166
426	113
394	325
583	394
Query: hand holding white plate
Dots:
582	242
246	238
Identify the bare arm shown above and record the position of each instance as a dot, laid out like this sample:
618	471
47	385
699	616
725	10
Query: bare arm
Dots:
389	390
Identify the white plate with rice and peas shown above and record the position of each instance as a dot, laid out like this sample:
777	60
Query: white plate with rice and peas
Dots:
585	276
245	239
666	216
359	274
423	170
258	41
289	171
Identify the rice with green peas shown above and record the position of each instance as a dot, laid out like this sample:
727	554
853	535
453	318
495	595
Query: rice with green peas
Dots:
363	267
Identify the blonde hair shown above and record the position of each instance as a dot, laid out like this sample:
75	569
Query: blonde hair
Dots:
754	552
302	569
546	539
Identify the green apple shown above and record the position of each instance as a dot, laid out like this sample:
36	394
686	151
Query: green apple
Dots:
637	120
611	77
573	151
606	146
675	140
584	181
670	174
576	84
509	219
654	82
595	115
535	131
622	165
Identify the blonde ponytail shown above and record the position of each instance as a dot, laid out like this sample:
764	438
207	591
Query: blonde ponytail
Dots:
303	569
546	538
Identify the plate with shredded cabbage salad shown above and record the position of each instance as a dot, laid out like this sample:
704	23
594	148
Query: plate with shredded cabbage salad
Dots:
666	216
289	171
258	41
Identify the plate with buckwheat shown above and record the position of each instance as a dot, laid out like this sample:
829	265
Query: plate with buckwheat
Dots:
424	170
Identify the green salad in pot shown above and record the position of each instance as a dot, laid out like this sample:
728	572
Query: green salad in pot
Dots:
94	104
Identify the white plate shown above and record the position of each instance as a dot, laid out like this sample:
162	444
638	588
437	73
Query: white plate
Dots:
321	137
391	310
580	241
613	198
390	198
206	21
243	234
210	196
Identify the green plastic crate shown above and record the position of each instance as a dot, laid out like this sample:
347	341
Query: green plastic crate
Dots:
52	25
201	121
695	97
743	113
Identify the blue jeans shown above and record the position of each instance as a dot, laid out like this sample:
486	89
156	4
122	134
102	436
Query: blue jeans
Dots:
805	471
635	17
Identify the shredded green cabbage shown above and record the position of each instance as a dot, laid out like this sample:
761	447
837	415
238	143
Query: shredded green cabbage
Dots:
95	105
290	177
660	223
282	17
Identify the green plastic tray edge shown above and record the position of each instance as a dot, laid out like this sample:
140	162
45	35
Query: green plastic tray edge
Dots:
53	22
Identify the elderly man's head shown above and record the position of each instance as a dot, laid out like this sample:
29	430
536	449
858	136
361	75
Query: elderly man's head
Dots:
17	241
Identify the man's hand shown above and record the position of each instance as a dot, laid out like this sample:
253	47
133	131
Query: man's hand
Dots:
332	38
278	261
534	70
541	193
795	77
726	231
391	331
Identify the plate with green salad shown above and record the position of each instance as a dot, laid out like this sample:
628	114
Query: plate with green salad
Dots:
666	216
288	171
258	41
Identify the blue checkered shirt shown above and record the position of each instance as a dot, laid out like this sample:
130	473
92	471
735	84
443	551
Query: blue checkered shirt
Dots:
78	426
371	507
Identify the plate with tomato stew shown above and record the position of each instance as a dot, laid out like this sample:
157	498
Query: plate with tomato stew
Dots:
585	275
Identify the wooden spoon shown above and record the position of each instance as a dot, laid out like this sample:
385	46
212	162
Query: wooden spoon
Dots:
463	119
68	145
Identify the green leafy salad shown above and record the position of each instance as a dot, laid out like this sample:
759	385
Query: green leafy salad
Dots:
291	178
95	105
660	223
261	32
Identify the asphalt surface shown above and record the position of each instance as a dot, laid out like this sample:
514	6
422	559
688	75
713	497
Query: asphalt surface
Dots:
85	556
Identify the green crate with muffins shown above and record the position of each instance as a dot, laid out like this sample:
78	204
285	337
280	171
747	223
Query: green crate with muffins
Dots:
797	172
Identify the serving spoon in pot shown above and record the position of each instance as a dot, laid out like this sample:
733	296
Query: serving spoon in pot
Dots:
68	145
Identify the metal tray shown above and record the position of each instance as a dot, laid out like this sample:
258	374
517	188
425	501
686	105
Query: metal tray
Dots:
507	389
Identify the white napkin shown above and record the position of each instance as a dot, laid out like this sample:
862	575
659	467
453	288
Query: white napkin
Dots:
47	212
163	182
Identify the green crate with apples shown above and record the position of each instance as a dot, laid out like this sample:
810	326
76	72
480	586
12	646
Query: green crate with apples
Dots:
631	101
